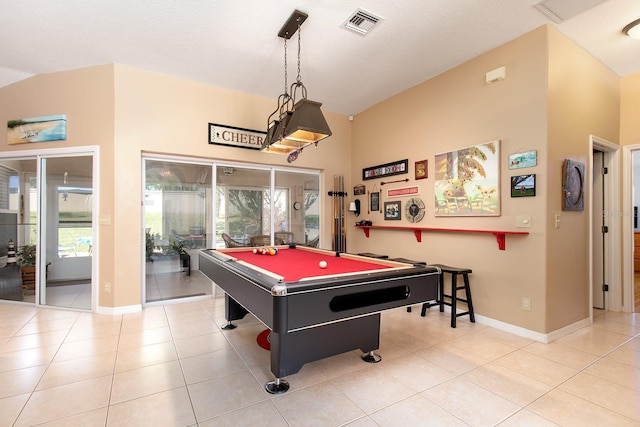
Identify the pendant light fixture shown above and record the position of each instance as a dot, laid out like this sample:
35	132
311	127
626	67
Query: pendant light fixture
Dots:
297	121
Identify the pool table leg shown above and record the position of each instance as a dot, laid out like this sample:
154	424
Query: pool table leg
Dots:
371	357
232	311
277	386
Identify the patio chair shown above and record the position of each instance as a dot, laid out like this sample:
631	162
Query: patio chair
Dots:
265	240
313	243
286	236
230	242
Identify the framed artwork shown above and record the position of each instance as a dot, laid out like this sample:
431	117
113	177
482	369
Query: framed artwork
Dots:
572	186
523	185
388	169
37	129
375	201
358	190
421	169
526	159
392	210
467	181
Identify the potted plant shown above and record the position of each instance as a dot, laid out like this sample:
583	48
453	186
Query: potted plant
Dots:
26	258
177	246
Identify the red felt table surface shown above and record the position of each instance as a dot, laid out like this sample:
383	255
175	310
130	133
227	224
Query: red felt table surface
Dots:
295	264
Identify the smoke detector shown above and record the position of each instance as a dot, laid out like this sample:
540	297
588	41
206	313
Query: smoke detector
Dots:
362	22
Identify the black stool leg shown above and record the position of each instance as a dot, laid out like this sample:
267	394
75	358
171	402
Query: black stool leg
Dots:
454	299
441	292
467	290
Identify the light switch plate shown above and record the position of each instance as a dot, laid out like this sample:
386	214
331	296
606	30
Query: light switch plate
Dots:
523	221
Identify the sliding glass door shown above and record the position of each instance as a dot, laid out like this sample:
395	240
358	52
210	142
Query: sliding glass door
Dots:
46	229
252	205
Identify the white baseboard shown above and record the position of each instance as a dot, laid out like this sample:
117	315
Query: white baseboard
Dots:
527	333
114	311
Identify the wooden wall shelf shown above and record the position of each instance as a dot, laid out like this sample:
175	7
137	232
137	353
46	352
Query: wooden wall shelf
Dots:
501	236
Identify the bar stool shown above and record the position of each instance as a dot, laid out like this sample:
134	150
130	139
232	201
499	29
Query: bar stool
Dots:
408	261
453	297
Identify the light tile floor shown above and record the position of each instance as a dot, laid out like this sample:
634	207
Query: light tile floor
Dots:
172	365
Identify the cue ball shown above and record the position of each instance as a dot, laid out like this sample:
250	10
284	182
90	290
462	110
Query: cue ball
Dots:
322	264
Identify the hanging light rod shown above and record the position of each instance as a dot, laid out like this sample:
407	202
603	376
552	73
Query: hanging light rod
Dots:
290	27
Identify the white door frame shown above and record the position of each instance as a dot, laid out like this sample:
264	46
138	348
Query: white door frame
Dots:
627	227
611	209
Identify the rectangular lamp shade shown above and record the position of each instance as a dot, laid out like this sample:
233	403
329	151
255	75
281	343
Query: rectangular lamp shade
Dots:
307	123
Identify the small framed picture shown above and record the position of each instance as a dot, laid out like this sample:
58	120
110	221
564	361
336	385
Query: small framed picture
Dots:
526	159
421	169
392	210
523	185
358	190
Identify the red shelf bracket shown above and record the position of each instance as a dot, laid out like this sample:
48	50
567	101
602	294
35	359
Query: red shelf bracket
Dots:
418	234
501	238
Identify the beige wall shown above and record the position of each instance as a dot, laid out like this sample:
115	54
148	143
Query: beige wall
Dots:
583	100
630	109
529	110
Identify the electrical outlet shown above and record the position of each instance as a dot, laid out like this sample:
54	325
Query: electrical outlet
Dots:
104	219
107	287
526	304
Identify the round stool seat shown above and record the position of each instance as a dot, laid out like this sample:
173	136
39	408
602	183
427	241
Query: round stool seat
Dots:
449	269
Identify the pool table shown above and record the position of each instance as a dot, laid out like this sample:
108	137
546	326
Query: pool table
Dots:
315	312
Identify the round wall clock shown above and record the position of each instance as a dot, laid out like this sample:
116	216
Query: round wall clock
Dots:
414	209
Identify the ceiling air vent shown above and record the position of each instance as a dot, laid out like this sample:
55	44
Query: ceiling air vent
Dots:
561	10
362	22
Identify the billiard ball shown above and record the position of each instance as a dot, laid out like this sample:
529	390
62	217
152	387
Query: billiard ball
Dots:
255	251
322	264
272	251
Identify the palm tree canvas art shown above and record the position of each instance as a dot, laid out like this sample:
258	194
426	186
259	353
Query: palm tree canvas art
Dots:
467	181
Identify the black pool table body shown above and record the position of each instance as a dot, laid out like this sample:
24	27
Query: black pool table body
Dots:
319	315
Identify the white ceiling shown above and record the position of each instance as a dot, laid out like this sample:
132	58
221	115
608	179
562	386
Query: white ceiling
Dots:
234	43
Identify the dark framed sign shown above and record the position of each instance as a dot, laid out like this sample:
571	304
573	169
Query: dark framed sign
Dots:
375	201
388	169
232	136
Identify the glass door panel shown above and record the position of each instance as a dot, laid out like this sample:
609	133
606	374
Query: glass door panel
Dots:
65	264
176	210
242	204
17	226
297	206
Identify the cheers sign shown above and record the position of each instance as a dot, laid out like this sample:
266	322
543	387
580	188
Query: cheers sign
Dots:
388	169
235	137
